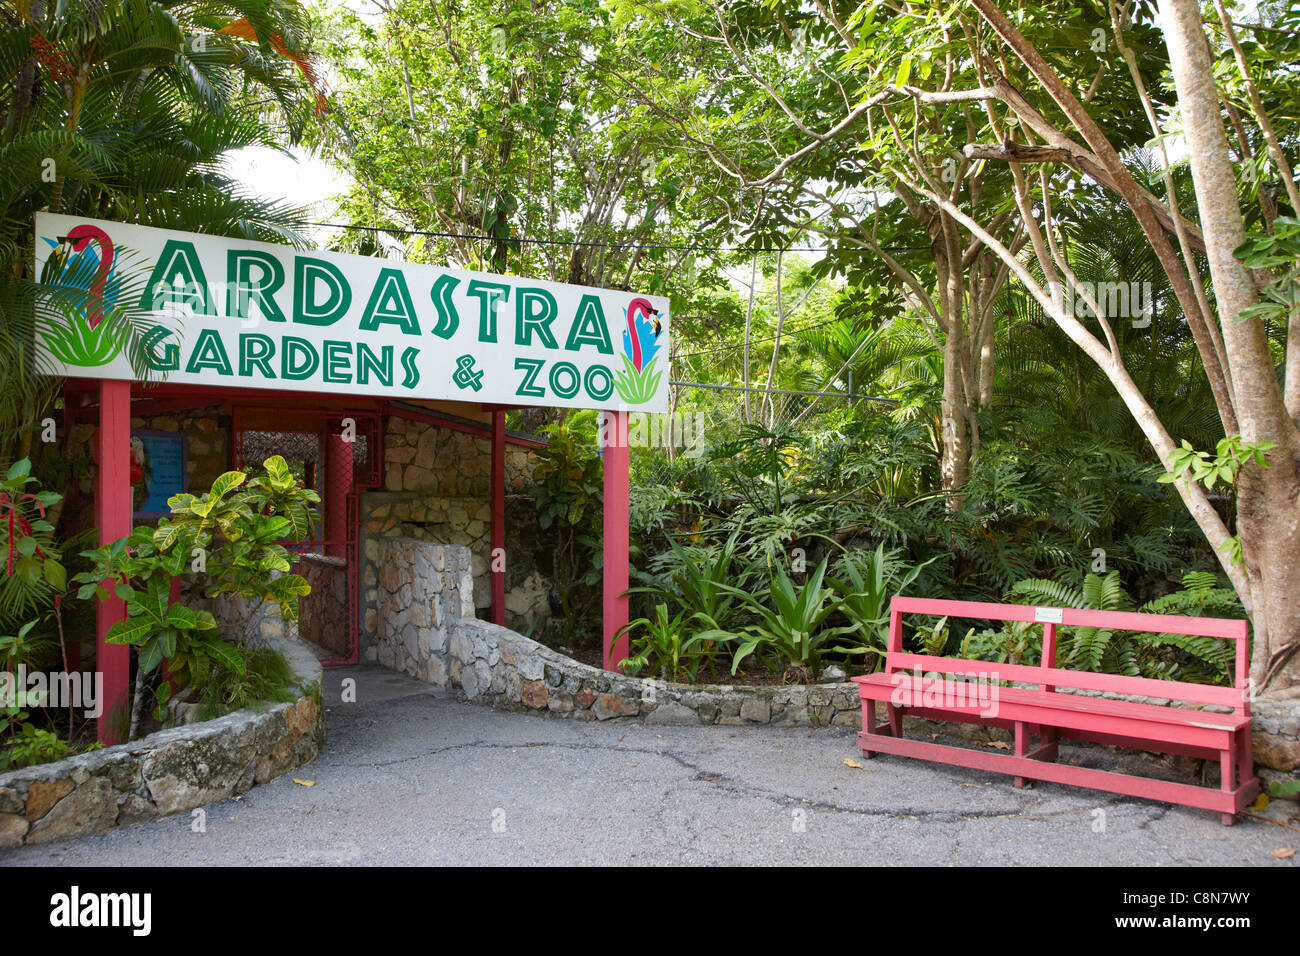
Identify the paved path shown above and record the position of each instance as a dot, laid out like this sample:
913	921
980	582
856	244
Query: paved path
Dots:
410	776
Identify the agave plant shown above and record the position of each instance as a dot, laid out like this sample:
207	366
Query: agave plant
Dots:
865	586
794	628
670	642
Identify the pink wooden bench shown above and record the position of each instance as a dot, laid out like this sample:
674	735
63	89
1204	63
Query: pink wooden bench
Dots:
1045	712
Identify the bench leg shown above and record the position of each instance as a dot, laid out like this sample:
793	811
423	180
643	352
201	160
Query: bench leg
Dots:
895	719
868	724
1022	747
1228	777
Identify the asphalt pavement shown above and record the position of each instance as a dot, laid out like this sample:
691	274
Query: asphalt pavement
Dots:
410	776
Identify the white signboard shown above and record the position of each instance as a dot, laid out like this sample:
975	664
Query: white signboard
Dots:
257	315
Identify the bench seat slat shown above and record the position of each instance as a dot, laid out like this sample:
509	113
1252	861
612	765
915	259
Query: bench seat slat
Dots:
1081	680
1224	801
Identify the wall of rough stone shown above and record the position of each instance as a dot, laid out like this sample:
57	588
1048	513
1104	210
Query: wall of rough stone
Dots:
167	772
425	627
323	614
437	489
436	486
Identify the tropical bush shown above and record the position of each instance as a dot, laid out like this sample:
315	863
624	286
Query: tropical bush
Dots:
567	485
792	628
230	539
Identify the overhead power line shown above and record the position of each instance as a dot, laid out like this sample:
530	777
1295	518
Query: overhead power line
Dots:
584	242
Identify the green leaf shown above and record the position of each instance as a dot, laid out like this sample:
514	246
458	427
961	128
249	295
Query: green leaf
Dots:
134	630
226	482
55	574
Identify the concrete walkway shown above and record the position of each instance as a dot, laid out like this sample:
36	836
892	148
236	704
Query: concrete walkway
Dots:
410	776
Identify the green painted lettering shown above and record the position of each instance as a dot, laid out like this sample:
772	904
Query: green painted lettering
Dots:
209	353
381	364
170	359
178	278
589	327
530	368
337	367
390	304
298	360
308	273
489	295
535	310
448	319
256	351
241	290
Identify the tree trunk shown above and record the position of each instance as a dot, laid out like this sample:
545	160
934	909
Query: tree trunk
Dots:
1268	513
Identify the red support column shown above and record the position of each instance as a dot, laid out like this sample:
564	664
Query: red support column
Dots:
113	518
496	560
616	537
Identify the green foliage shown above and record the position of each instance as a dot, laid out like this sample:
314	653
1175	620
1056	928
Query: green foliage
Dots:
34	572
30	745
793	629
1279	254
234	531
23	743
1229	456
568	485
1162	656
261	676
674	644
126	111
702	582
865	587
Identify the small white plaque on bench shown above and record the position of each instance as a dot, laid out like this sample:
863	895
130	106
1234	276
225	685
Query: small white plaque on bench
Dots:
1048	615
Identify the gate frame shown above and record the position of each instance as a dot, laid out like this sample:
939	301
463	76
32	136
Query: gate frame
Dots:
113	503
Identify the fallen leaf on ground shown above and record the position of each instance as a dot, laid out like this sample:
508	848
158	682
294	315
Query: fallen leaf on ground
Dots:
1262	802
854	764
1000	745
1285	853
304	783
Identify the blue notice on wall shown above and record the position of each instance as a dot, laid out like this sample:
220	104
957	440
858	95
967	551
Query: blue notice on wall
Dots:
157	470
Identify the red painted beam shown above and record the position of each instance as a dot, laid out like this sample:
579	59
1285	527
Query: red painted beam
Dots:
113	518
497	558
616	538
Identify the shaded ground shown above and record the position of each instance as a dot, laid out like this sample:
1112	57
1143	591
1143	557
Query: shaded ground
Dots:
410	776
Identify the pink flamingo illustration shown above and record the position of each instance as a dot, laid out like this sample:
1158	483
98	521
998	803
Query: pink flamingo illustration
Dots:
645	308
80	237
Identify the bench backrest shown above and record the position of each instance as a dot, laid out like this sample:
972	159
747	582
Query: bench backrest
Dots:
1048	676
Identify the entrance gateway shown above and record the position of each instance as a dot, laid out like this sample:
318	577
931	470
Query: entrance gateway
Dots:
321	350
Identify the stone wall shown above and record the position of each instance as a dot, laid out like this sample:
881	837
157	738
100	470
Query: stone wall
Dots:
426	629
323	614
207	447
167	772
437	489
